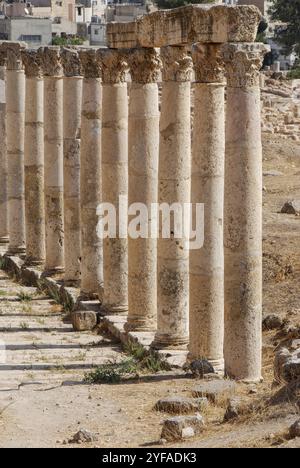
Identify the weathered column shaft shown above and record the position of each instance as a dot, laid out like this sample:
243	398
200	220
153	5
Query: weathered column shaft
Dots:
115	177
143	185
72	129
207	263
174	187
34	160
53	137
4	239
90	177
15	127
243	212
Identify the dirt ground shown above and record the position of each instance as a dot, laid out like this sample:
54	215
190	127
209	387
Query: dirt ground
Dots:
43	400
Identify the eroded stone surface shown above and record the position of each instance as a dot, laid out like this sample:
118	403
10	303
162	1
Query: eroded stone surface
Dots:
216	390
189	24
182	427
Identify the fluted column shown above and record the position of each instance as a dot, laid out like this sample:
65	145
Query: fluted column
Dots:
15	127
72	128
143	185
34	160
4	238
115	177
174	187
207	263
53	137
90	176
243	212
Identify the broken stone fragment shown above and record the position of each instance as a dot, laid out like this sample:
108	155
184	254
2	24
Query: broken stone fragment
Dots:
199	368
287	366
232	410
294	430
182	427
272	322
180	405
83	436
83	321
291	207
215	391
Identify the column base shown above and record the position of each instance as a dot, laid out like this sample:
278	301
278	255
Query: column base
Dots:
165	341
4	240
53	271
114	310
29	261
138	325
16	251
88	296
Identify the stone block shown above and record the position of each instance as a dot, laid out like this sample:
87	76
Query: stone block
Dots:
187	25
215	391
182	427
180	405
84	320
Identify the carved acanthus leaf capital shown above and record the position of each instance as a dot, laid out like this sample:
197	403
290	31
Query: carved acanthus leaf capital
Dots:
71	62
11	55
208	63
51	61
32	63
90	62
243	62
177	63
145	65
114	66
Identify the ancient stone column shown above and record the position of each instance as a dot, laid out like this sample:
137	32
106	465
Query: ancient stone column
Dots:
174	186
207	263
53	137
34	160
90	176
15	127
4	239
115	177
243	212
72	128
143	151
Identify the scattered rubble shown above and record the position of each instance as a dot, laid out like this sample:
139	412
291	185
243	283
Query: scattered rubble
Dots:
291	207
287	366
83	436
294	430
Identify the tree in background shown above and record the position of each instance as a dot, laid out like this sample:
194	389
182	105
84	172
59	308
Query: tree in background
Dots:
168	4
288	13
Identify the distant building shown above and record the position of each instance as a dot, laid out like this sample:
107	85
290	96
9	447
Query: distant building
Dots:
62	14
34	31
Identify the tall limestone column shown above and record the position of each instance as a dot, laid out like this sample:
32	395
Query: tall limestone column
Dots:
53	136
143	151
207	263
174	188
34	160
115	176
72	128
90	176
15	127
243	212
4	239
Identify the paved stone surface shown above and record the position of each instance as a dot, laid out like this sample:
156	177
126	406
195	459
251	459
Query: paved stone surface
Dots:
38	343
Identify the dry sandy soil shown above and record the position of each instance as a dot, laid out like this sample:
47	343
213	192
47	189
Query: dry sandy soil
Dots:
43	400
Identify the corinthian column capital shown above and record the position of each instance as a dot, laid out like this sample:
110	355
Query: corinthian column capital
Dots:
51	61
145	65
243	62
208	63
90	62
32	63
177	64
11	55
71	62
114	66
